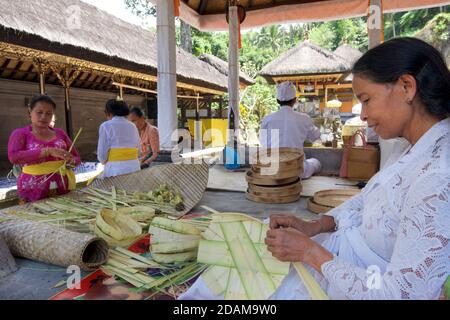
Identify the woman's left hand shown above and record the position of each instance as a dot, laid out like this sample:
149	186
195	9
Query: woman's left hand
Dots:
69	158
288	244
291	245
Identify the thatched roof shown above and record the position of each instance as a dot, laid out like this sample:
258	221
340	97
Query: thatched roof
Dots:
429	35
305	59
348	53
222	67
99	37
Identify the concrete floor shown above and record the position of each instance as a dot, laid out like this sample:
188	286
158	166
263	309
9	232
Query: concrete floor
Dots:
35	281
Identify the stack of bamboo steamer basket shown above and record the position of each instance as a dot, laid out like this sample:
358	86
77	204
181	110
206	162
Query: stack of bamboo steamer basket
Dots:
266	185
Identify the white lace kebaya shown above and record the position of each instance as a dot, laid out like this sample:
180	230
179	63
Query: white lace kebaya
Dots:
400	225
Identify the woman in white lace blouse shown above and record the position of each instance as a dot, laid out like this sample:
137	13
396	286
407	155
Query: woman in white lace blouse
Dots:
392	240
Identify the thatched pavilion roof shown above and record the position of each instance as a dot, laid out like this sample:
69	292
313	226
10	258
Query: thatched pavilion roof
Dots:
348	53
305	59
76	29
222	67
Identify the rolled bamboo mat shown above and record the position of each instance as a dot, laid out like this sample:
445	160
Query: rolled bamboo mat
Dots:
190	179
52	244
7	263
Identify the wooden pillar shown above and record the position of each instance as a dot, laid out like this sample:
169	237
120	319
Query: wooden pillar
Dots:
233	66
68	112
42	69
198	134
41	83
167	78
66	79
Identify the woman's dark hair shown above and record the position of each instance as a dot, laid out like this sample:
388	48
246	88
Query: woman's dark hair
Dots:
137	111
117	108
41	98
390	60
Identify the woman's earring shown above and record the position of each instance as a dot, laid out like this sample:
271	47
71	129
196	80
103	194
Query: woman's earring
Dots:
409	102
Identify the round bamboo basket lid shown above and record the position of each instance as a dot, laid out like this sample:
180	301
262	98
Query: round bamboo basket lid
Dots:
268	180
317	208
334	197
272	199
263	158
282	191
290	165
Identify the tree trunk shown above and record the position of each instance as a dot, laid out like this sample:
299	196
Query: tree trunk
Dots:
7	263
186	38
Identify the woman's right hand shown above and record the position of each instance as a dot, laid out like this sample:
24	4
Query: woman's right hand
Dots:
285	221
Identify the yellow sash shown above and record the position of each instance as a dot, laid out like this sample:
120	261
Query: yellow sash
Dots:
49	168
122	154
118	154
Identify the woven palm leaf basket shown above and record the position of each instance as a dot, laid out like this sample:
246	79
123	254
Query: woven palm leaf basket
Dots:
190	179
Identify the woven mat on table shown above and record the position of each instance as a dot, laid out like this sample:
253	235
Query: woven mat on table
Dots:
190	179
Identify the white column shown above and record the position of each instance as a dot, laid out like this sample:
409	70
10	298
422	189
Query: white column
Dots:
167	78
233	65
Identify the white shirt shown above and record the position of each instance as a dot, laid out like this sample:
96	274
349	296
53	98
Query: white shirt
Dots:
293	129
117	133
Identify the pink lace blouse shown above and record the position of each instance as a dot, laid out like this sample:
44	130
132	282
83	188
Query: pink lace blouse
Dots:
24	149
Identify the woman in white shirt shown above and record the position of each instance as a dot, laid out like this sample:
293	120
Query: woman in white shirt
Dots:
118	144
392	241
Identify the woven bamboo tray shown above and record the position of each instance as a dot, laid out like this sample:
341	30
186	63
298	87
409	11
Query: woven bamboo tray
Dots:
334	197
281	191
285	156
317	208
267	180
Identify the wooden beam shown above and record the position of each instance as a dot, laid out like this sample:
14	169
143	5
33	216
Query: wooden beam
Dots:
19	52
202	6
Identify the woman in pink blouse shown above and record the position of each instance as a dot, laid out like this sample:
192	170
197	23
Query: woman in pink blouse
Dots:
39	144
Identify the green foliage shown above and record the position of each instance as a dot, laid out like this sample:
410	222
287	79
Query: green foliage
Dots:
141	8
441	26
257	102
